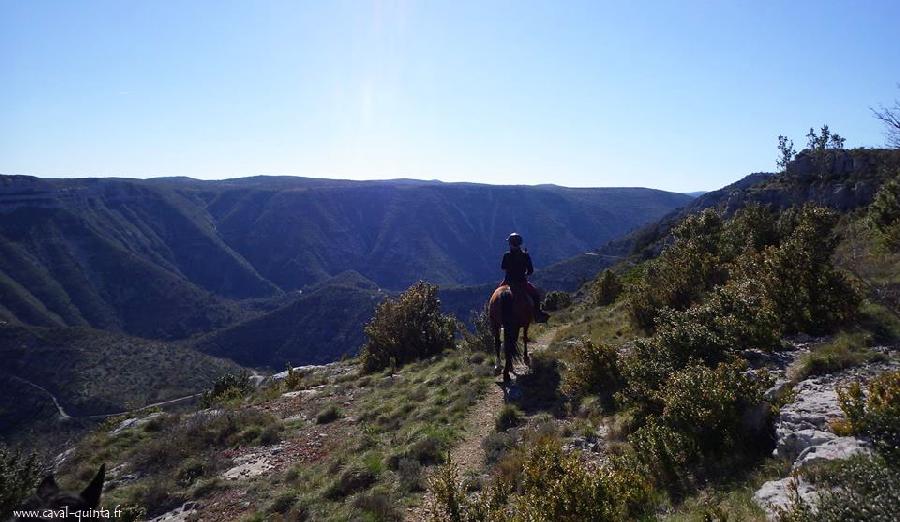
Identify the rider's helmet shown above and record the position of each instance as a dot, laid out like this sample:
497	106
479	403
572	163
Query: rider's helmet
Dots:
515	239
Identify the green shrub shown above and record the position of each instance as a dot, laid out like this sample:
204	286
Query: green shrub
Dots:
540	385
605	288
229	388
683	272
449	502
736	316
704	422
556	485
481	338
407	328
884	214
751	229
557	300
808	294
593	371
509	417
875	414
863	487
19	475
709	404
294	379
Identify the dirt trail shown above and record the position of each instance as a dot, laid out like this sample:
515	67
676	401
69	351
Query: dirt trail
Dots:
468	454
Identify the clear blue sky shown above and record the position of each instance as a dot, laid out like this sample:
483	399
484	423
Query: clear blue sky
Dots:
678	95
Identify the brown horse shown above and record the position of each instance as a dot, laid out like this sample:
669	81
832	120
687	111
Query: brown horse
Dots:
510	307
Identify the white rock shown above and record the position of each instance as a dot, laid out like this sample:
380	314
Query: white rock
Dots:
179	514
792	443
835	449
135	422
775	495
253	464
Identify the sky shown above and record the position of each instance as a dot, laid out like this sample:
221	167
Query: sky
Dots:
676	95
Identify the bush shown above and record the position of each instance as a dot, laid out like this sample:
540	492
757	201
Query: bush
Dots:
808	294
19	475
594	370
684	271
557	300
751	229
556	485
736	316
509	417
705	422
450	503
875	414
863	487
481	339
294	379
230	387
606	288
884	213
407	328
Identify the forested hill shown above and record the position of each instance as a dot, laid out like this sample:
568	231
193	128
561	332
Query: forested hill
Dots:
168	258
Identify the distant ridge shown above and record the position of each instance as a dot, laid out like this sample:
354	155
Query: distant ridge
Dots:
168	258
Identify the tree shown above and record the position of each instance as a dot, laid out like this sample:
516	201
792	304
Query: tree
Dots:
606	288
786	152
890	117
821	147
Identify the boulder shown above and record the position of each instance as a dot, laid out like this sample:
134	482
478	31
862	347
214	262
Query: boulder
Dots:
775	495
834	449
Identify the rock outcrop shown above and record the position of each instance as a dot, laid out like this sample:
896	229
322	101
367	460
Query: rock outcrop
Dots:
803	428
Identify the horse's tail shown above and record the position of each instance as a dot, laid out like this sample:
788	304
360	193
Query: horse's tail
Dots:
510	325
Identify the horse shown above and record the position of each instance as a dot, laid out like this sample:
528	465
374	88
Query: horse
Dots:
510	307
48	496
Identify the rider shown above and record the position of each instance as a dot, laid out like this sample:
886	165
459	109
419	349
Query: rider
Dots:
517	264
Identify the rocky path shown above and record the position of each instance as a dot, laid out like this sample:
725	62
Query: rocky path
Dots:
468	454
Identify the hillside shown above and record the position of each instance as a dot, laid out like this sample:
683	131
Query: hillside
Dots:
691	393
168	258
90	373
711	412
850	182
321	325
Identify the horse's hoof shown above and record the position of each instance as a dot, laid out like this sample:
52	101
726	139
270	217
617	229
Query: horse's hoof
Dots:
506	378
527	360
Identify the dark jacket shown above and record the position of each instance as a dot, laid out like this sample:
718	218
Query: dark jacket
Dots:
517	264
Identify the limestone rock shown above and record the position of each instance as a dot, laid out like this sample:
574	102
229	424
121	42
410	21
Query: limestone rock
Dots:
834	449
775	495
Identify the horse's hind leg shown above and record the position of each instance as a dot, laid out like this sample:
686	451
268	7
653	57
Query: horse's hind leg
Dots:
525	358
508	367
496	331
